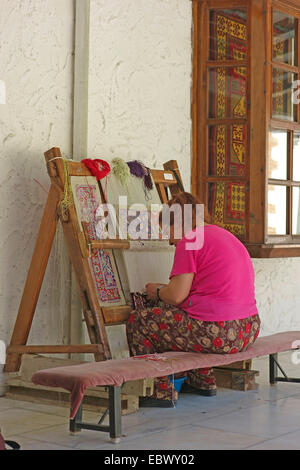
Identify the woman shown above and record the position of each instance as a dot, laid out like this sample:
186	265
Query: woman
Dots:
209	304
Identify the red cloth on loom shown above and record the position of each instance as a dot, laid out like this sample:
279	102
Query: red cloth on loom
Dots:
78	378
97	167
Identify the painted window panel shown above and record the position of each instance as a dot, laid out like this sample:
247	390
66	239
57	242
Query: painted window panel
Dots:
226	203
227	150
227	34
227	92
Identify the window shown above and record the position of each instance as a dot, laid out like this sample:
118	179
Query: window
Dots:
284	134
246	120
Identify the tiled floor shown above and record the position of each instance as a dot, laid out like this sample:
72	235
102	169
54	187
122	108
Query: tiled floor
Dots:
267	418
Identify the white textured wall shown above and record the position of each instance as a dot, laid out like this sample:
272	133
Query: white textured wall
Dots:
140	81
277	283
36	45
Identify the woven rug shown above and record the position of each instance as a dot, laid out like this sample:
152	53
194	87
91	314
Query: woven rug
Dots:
104	271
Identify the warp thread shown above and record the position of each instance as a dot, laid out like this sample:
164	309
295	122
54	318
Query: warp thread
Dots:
67	199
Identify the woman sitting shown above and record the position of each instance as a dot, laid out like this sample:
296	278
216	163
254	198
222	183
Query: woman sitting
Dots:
209	304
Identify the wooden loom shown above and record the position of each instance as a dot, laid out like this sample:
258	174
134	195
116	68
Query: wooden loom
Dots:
167	181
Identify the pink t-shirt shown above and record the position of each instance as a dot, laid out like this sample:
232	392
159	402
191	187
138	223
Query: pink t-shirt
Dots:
223	285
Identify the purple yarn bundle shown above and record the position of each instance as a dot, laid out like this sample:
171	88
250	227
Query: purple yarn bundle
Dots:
136	168
139	170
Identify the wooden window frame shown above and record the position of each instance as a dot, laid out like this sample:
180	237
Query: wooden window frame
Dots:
290	127
259	65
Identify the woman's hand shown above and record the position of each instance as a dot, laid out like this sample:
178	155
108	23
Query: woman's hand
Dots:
173	293
151	290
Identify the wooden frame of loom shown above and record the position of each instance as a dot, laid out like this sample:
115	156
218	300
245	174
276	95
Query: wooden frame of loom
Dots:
79	246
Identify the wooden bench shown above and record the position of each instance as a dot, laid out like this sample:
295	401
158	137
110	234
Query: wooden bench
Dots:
113	373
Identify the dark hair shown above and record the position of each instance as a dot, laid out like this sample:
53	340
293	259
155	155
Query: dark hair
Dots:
186	198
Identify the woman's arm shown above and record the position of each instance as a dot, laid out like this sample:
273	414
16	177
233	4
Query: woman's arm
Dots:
173	293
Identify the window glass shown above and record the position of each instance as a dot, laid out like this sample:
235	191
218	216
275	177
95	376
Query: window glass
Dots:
296	157
276	210
278	153
283	95
284	38
296	211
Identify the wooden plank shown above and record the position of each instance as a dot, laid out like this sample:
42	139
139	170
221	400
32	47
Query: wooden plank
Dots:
163	177
173	166
236	379
55	349
273	251
245	365
139	388
117	244
34	278
194	105
93	400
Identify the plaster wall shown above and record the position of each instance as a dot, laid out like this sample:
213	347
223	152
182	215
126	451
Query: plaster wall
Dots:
36	65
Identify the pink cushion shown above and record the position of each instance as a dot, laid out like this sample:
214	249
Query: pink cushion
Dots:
77	378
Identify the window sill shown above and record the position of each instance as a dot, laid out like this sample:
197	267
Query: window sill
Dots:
273	250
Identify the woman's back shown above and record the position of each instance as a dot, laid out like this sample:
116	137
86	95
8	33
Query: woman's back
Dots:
223	285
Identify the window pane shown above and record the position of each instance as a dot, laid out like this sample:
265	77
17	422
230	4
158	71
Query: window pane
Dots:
227	150
227	92
283	91
278	152
296	211
284	38
228	34
296	157
276	210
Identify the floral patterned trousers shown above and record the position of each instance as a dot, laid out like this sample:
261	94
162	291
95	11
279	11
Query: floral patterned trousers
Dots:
161	329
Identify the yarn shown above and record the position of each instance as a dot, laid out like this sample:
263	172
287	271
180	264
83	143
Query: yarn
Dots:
139	170
99	168
148	180
67	199
121	170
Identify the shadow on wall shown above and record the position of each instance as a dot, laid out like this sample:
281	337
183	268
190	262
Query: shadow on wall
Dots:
23	193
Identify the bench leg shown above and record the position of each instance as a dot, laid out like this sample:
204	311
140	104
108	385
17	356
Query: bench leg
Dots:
115	417
273	369
75	424
274	366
